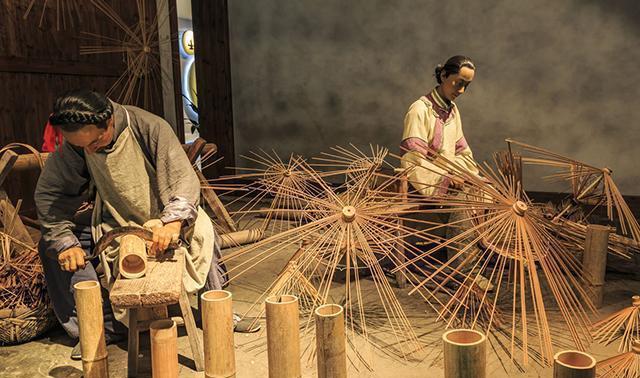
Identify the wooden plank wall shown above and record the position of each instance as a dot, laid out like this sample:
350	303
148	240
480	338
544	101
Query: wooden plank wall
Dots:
213	73
37	64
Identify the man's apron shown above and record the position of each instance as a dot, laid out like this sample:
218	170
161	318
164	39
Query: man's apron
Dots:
127	194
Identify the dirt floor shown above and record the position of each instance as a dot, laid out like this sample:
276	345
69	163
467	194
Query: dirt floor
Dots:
49	355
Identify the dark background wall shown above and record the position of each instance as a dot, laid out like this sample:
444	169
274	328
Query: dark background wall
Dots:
563	75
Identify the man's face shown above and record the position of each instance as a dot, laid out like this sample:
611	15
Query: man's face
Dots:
90	137
454	85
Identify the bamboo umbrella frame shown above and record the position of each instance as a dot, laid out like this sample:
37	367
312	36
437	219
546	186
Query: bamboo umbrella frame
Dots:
357	224
521	257
66	11
139	47
352	163
623	325
626	365
589	184
272	179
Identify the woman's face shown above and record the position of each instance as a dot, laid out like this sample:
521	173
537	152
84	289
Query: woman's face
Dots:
454	85
90	137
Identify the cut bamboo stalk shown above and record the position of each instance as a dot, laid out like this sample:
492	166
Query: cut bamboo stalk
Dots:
91	323
234	239
217	328
330	341
283	336
594	260
164	349
465	354
133	257
573	364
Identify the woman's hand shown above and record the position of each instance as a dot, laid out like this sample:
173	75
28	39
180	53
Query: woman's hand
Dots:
456	183
72	259
164	235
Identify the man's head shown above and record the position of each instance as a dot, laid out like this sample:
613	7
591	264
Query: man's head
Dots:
454	76
85	118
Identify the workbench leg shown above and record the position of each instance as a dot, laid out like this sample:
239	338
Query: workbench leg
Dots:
133	344
192	332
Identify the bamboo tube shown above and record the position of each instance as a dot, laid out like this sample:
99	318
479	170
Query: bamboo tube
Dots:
573	364
234	239
330	341
283	339
164	349
594	260
217	329
133	257
465	354
91	323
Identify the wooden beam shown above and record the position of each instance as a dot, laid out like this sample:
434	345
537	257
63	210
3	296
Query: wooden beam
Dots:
176	70
213	75
30	161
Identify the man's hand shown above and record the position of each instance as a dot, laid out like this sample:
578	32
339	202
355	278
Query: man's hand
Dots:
72	259
164	235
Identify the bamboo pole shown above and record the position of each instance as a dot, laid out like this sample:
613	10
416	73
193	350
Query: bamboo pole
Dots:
465	354
132	262
217	328
594	260
573	364
234	239
403	189
330	341
91	323
283	339
164	349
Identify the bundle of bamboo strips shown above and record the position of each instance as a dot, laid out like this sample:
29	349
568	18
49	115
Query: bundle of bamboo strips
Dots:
21	276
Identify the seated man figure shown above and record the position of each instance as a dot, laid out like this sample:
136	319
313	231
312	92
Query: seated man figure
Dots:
139	172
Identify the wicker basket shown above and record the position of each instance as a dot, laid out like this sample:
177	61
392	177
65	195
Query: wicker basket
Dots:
25	324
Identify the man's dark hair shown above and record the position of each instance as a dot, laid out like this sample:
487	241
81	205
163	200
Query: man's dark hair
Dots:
78	108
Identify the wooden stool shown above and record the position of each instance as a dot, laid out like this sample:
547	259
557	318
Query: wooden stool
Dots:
160	287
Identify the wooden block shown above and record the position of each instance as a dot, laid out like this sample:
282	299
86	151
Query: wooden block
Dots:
161	285
7	160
